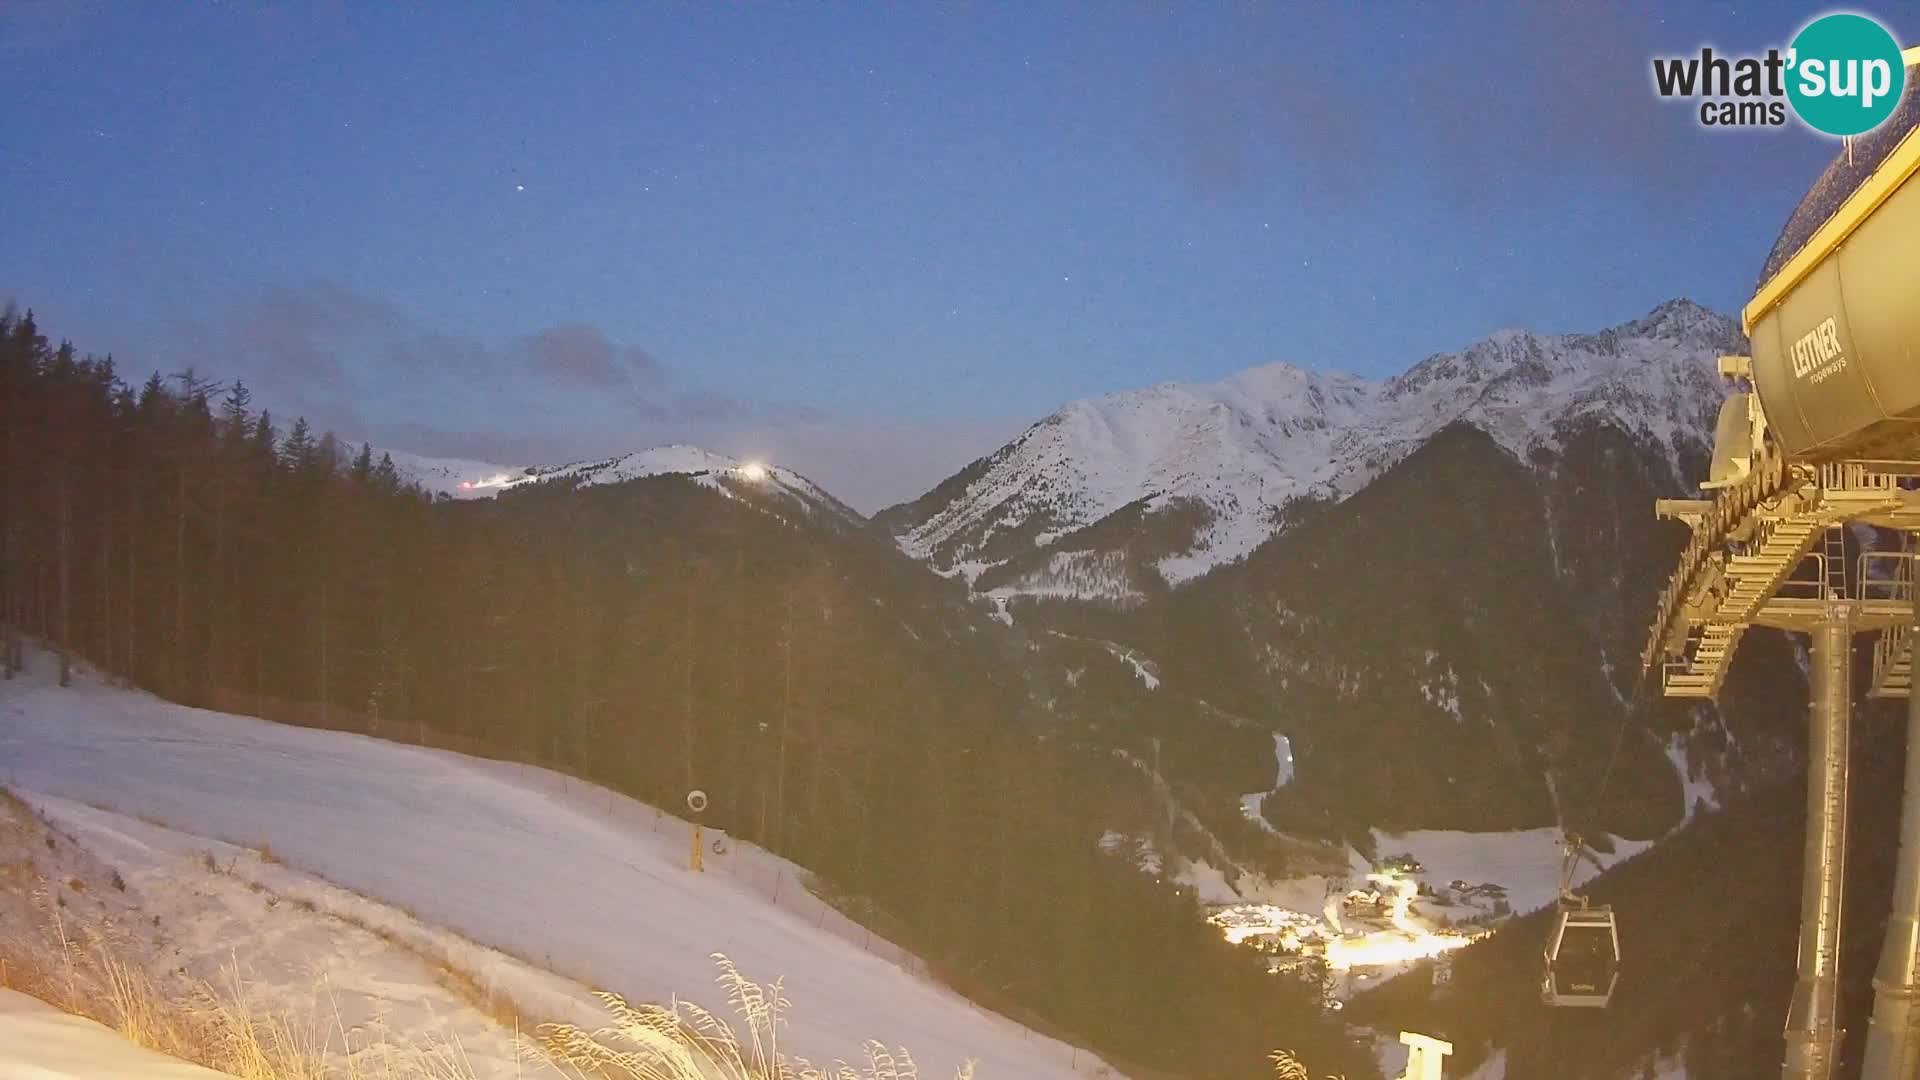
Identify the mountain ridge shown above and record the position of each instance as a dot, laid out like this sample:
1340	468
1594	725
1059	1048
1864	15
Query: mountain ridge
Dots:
1230	457
461	478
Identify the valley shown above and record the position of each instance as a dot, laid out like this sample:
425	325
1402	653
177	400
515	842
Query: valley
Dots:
1297	773
957	542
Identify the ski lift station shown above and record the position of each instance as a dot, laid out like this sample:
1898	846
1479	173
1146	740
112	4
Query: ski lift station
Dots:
1822	434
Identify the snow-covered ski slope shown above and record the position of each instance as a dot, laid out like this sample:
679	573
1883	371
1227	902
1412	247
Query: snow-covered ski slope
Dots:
569	876
460	478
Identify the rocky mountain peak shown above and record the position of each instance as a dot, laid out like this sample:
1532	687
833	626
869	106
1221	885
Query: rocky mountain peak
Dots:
1228	457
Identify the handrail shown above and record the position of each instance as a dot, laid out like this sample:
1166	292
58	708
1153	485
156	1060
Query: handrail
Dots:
1897	586
1729	506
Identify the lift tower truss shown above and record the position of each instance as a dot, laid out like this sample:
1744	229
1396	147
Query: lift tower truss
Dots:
1822	441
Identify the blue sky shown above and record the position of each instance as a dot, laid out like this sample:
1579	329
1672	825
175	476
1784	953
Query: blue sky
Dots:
870	241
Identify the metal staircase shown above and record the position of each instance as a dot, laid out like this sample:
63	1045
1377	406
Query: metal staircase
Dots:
1772	551
1892	664
1755	578
1893	651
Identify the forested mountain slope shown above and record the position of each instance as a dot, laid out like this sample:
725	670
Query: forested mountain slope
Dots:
841	706
1709	923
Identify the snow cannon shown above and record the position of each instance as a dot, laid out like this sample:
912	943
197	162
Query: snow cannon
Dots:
1834	323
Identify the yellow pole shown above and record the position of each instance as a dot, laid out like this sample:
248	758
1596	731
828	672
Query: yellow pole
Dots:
696	848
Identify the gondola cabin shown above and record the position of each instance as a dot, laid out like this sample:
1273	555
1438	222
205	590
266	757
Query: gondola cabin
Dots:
1583	958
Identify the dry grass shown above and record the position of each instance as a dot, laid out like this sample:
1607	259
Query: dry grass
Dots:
218	1026
11	802
80	970
81	967
1288	1067
683	1041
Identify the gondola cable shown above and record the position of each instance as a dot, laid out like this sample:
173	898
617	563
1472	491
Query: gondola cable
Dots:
1583	949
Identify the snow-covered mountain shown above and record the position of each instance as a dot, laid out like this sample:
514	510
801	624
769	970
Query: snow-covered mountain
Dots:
463	479
1192	475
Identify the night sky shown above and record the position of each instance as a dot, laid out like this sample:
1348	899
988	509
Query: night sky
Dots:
866	241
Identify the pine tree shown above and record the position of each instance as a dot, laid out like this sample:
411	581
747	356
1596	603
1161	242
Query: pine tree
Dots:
386	478
617	630
297	452
233	413
194	428
326	456
25	349
263	437
63	426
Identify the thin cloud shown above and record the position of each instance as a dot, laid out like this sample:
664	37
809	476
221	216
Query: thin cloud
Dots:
298	334
1481	120
575	352
370	370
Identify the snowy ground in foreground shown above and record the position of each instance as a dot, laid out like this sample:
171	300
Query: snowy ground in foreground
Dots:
39	1042
351	976
570	877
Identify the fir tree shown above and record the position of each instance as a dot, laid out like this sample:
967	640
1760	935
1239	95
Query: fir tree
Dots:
297	452
233	413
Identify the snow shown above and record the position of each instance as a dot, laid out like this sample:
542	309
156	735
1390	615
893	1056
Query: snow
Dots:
1524	862
1252	805
1494	1068
1444	693
317	957
1667	1068
1696	791
1253	808
39	1042
1084	575
463	479
1141	669
584	882
1207	882
455	477
1146	857
1390	1054
1000	613
1245	447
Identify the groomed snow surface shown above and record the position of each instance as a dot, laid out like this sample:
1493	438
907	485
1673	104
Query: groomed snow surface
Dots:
358	981
569	877
39	1042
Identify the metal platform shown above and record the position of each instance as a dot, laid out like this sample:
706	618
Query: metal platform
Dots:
1771	551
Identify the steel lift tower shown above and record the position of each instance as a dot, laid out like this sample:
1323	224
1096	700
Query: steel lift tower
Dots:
1824	433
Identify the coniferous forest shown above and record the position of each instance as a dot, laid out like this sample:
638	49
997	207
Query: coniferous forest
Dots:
839	705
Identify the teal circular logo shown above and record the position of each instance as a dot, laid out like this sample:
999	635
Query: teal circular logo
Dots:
1844	74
